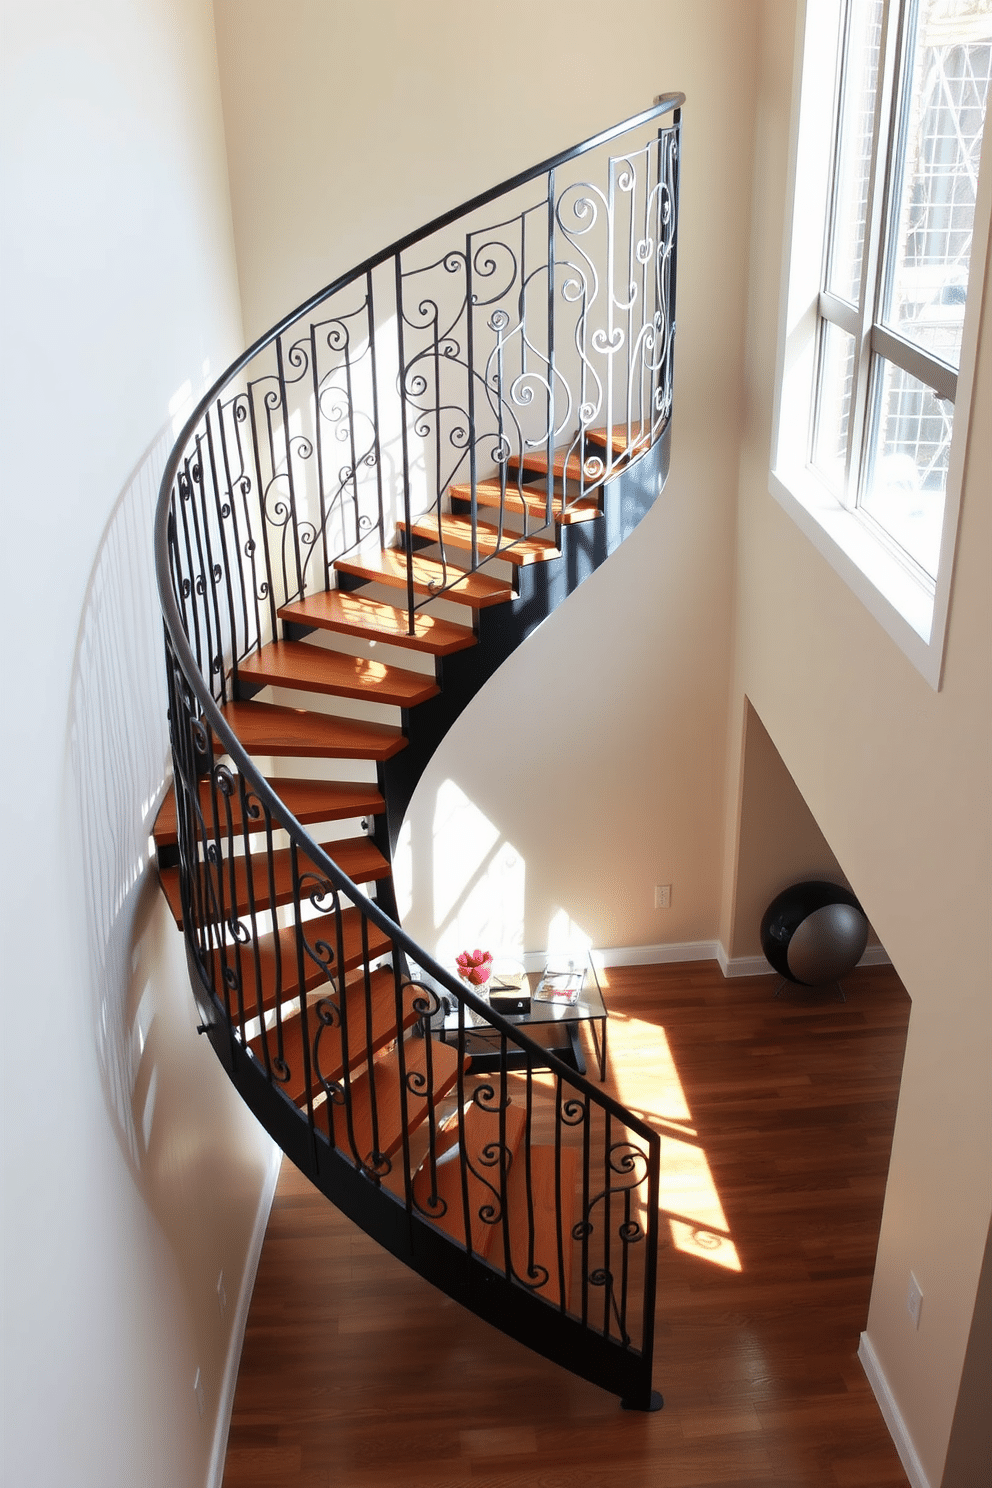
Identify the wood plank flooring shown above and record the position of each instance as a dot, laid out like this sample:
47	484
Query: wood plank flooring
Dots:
777	1118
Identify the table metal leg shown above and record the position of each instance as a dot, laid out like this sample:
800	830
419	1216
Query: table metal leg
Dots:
578	1057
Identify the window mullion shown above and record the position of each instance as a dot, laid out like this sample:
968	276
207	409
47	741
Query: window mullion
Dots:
882	141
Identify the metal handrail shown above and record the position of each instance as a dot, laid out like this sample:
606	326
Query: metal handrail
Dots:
202	735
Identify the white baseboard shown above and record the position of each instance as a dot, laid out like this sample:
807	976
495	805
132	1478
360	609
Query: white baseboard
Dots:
891	1414
744	966
686	950
650	955
239	1322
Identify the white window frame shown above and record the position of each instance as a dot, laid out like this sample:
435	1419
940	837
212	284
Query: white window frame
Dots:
910	612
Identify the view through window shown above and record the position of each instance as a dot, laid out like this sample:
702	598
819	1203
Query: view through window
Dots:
912	88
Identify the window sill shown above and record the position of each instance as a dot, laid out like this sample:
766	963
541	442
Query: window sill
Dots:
887	589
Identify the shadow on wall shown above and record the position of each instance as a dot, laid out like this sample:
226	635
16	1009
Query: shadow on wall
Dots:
463	884
118	744
195	1155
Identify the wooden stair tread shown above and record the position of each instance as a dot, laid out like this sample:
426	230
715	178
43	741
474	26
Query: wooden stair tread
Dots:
532	499
330	1049
268	728
353	614
357	856
565	464
307	800
311	668
276	970
566	459
543	1190
622	438
388	1099
457	530
480	1130
429	577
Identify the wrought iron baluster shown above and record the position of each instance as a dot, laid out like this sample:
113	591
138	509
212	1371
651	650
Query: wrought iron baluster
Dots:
190	582
586	1227
473	459
463	1160
626	1236
376	436
260	816
607	1222
405	450
293	515
223	510
559	1216
319	451
208	569
261	496
232	551
533	1274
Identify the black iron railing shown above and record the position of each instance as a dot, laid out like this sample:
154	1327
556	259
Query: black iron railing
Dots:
449	367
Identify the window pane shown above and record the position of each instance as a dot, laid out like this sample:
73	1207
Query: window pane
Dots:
833	405
857	112
937	173
907	472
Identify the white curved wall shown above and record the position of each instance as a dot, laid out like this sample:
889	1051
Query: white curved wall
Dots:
132	1174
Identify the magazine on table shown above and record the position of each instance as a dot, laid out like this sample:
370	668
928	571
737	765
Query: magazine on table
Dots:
560	985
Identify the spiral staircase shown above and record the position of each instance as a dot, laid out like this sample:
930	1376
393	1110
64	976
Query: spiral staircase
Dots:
362	519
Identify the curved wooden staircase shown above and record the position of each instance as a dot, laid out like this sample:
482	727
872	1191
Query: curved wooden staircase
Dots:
527	1194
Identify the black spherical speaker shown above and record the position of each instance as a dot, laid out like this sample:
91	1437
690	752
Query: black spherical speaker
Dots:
814	933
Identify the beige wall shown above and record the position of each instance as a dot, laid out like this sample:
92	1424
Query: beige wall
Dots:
132	1174
898	778
602	773
778	841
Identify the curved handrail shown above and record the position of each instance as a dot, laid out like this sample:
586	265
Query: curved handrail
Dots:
202	734
667	103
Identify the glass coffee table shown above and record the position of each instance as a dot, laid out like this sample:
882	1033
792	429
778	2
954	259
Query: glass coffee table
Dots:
588	1007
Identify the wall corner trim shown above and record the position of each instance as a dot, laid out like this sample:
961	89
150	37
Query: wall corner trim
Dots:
228	1385
891	1414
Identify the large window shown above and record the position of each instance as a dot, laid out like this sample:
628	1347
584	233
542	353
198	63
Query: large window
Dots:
893	142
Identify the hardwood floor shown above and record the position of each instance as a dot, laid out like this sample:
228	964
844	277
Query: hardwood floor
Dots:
777	1117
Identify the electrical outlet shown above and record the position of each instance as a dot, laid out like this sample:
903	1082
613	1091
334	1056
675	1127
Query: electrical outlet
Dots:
914	1300
662	896
221	1294
198	1392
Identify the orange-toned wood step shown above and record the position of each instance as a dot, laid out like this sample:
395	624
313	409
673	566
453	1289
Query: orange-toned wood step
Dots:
429	577
385	1096
565	463
307	800
439	1195
532	499
265	728
270	972
566	459
263	881
544	1185
310	668
457	532
636	437
353	614
370	1008
328	1050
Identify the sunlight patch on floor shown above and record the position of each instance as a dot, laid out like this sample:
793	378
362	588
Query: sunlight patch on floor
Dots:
648	1082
